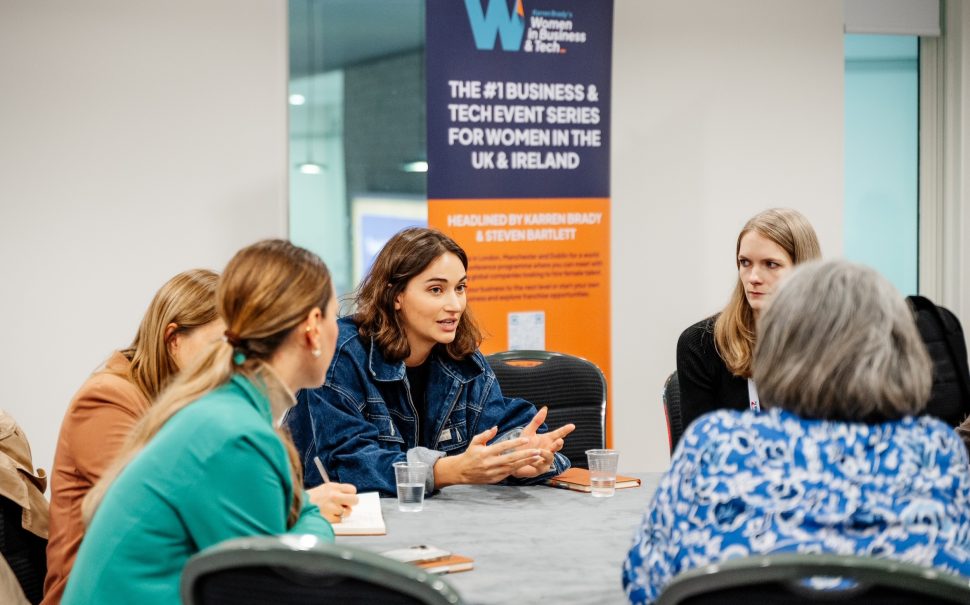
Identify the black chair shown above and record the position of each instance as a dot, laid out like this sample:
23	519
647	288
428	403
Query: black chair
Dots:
815	578
25	553
574	390
672	411
301	570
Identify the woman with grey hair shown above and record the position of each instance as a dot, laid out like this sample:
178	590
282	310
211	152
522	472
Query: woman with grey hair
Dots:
840	463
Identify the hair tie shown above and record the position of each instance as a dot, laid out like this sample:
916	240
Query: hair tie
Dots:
239	357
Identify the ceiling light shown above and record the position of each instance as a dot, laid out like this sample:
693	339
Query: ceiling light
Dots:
311	168
419	166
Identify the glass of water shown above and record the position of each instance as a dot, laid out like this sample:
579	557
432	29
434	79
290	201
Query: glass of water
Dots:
602	472
410	478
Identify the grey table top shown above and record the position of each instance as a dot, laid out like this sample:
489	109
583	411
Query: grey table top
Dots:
530	544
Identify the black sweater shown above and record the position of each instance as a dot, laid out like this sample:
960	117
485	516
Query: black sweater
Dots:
705	382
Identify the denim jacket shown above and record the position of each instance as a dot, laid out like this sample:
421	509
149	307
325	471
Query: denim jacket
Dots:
362	419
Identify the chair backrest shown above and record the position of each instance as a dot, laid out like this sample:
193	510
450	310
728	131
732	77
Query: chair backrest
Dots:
302	570
814	578
24	552
24	511
573	388
943	335
672	411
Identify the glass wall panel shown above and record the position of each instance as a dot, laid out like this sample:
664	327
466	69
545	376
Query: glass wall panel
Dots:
357	128
882	155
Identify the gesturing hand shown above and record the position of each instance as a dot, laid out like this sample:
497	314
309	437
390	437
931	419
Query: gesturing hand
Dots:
482	463
546	443
335	500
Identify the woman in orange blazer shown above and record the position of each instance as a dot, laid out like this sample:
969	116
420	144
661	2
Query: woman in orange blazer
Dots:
181	320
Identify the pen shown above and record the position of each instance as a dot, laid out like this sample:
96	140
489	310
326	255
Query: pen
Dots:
323	471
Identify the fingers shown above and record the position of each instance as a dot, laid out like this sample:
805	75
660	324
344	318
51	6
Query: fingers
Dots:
345	500
561	432
331	511
520	469
536	421
335	500
518	457
331	516
547	456
497	449
540	466
498	467
484	437
346	488
525	472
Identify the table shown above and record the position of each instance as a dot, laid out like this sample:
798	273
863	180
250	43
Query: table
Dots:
532	544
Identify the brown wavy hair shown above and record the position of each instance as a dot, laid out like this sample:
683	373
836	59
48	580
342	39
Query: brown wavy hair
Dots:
734	329
267	289
189	301
404	256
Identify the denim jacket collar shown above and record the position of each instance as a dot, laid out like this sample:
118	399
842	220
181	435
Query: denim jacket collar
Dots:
382	370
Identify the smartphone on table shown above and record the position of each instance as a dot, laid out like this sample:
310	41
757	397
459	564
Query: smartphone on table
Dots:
417	554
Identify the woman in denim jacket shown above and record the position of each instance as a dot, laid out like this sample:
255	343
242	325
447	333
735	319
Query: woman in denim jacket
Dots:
408	383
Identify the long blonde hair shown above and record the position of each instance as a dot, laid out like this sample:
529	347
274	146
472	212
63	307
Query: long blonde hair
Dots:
734	329
267	289
189	301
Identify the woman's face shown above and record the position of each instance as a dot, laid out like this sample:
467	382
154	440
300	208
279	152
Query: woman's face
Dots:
432	304
761	265
185	347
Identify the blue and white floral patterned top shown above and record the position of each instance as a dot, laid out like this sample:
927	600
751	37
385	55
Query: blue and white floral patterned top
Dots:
744	484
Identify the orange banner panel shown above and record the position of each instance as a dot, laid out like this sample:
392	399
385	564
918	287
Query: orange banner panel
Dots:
538	272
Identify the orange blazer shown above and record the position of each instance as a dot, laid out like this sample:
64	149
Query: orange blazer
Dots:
96	424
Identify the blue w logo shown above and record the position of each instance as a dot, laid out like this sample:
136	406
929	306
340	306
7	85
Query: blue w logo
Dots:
496	20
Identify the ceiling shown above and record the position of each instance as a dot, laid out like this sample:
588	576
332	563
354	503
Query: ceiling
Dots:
346	32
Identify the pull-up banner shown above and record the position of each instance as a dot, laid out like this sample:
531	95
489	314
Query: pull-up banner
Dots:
518	165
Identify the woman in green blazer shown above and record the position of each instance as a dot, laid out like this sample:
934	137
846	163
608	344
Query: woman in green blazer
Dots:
206	463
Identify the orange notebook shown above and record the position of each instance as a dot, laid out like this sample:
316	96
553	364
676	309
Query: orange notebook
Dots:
577	479
449	564
431	559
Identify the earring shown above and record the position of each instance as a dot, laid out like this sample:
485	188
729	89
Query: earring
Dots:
316	352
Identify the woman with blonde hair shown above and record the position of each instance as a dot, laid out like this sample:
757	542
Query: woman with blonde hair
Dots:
205	464
714	355
180	321
842	460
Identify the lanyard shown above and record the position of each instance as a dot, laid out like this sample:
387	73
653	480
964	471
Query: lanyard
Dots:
753	399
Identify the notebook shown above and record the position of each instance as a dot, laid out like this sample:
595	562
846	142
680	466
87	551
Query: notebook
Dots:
449	564
577	479
366	519
431	559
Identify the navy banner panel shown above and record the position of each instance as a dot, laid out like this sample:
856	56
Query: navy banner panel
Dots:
518	98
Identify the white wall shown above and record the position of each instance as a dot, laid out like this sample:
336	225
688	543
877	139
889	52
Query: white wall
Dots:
956	161
720	110
137	139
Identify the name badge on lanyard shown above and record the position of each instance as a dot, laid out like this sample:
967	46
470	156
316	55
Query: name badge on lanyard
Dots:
753	400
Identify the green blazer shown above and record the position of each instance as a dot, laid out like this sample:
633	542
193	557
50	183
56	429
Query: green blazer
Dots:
216	470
